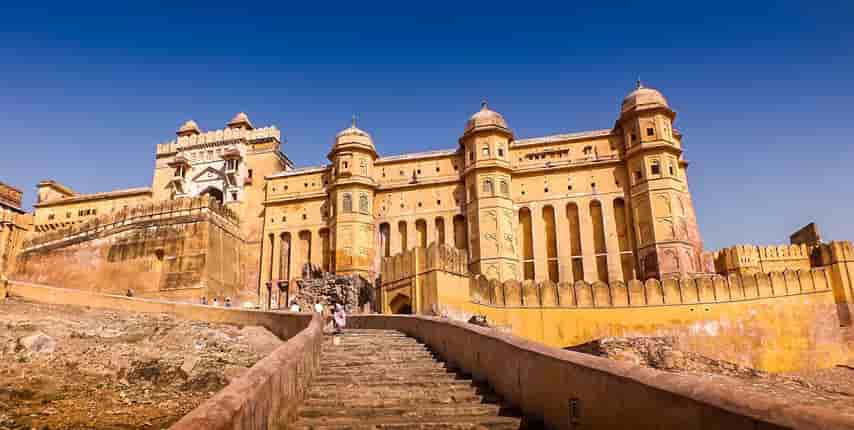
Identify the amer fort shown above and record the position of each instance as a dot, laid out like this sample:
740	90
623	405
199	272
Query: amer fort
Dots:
506	282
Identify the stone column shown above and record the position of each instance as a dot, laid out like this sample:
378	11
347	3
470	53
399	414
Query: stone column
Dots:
277	259
538	240
588	252
564	244
266	252
450	234
316	257
411	235
612	244
430	231
394	239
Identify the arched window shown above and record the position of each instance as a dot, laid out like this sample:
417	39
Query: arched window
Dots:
500	151
488	187
485	151
347	203
505	188
363	166
655	167
363	203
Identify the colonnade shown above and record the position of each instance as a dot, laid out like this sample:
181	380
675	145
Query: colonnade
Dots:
569	241
397	236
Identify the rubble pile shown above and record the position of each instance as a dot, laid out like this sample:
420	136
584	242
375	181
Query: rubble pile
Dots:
354	292
70	367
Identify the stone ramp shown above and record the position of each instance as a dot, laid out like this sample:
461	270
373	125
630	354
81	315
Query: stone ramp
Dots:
383	379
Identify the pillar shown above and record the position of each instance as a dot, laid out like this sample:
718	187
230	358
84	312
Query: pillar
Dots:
266	252
316	257
612	244
538	241
411	234
296	270
394	238
564	246
450	234
588	253
430	231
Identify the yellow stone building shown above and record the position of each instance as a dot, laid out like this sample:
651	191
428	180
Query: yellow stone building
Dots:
14	225
609	205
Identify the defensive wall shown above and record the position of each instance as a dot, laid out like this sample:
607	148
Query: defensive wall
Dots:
778	321
748	259
567	389
564	389
179	249
264	397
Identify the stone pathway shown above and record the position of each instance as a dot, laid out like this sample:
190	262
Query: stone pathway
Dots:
383	379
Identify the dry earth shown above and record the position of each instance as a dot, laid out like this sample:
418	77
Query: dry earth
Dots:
65	367
831	388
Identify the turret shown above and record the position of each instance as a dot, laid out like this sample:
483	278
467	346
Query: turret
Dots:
351	193
666	230
489	209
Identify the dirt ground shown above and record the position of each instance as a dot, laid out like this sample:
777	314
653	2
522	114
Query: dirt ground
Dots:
831	388
65	367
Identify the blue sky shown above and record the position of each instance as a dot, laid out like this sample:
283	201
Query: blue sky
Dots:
764	92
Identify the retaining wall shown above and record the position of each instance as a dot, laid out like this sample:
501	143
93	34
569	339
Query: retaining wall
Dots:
265	397
566	389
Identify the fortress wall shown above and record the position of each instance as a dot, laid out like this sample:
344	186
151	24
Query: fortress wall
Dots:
178	250
567	389
752	258
266	396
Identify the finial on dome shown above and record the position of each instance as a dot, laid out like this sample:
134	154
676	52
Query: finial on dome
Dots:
639	84
483	105
353	121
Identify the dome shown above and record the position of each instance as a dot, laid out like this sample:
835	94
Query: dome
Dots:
643	98
353	135
485	118
190	127
241	119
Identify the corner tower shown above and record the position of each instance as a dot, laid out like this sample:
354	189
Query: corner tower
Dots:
668	239
489	207
351	196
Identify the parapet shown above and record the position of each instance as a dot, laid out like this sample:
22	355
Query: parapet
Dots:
154	211
10	197
219	136
652	292
748	259
419	260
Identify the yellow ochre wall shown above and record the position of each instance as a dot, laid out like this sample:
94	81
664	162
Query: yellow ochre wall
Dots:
782	321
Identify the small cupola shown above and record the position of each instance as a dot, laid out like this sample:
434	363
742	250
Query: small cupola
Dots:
486	119
241	120
189	128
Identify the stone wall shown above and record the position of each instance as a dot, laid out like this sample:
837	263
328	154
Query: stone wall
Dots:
566	389
181	249
748	259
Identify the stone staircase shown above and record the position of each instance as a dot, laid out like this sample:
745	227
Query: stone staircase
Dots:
383	379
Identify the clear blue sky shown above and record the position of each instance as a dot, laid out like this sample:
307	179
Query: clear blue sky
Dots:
764	92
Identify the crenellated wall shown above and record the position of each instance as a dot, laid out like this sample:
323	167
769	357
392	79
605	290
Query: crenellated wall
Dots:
180	249
748	259
777	321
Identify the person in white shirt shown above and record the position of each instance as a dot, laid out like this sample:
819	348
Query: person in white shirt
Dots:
318	307
294	306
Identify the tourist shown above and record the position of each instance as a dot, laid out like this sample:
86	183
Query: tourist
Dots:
294	306
228	302
216	302
318	307
339	317
129	293
204	300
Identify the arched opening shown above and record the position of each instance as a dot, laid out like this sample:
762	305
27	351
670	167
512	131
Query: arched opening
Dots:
421	231
440	230
526	234
385	235
624	238
460	236
347	203
599	248
551	242
214	193
401	230
575	242
400	304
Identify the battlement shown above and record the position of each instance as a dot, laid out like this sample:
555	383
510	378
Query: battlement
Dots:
751	258
218	136
160	210
715	289
421	260
10	196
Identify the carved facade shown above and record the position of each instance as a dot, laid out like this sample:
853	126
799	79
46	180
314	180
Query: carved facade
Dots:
607	205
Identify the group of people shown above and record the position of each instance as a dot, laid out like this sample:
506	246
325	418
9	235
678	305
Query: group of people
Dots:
226	303
339	314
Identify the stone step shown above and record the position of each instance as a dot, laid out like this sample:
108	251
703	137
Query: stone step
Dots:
362	401
412	382
396	392
388	363
426	423
384	379
384	372
417	411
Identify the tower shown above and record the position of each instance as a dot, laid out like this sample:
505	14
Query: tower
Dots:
351	196
489	208
668	239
